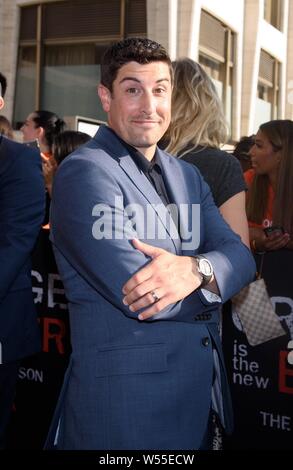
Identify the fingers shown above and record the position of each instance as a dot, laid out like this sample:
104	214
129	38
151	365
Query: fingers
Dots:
167	279
147	249
134	282
149	270
139	291
277	241
154	309
148	300
146	272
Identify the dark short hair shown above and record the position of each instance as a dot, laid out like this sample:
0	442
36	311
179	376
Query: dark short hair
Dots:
243	147
66	142
3	83
141	50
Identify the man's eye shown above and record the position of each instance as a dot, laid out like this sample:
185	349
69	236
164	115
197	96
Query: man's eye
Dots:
132	91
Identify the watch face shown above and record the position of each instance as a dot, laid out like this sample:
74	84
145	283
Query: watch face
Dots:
205	267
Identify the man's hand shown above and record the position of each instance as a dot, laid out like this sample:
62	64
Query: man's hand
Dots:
167	279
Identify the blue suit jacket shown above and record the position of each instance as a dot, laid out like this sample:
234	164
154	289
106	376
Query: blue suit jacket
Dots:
22	204
133	384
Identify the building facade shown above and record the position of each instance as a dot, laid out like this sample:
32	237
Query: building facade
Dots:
50	52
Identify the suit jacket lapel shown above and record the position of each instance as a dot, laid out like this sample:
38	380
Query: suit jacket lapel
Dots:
177	190
149	192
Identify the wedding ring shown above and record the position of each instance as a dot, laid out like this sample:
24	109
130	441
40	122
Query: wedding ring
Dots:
155	297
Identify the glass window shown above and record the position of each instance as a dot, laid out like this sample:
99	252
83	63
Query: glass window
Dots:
272	12
216	52
60	47
267	90
263	108
25	84
69	80
216	70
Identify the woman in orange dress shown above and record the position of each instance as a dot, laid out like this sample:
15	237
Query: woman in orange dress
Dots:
43	127
270	187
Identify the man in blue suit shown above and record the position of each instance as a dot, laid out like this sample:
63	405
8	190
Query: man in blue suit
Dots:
140	379
22	206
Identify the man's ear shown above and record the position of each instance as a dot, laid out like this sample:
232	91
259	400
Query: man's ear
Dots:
105	97
1	102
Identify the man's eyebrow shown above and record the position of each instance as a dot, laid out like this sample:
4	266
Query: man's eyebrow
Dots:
134	79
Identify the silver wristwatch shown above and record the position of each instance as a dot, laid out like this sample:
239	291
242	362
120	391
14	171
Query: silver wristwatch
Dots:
205	269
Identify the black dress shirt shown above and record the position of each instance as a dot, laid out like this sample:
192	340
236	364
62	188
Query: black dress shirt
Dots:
151	169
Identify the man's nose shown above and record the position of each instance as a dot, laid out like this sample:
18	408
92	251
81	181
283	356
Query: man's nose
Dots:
148	105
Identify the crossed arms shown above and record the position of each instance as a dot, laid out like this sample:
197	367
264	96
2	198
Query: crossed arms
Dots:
108	264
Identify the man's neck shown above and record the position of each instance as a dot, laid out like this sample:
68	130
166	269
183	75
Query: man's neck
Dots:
147	152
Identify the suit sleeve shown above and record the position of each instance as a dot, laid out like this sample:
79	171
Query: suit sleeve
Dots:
22	200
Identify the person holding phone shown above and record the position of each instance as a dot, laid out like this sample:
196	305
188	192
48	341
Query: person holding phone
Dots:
270	187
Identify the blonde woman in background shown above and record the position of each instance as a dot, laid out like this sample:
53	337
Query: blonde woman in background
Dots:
198	128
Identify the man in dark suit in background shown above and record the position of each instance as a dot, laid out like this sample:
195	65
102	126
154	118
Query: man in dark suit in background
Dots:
22	204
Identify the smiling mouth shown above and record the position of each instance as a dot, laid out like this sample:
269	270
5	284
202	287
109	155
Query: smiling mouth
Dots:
144	121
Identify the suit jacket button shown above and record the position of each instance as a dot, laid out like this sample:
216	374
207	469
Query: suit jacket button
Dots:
205	341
